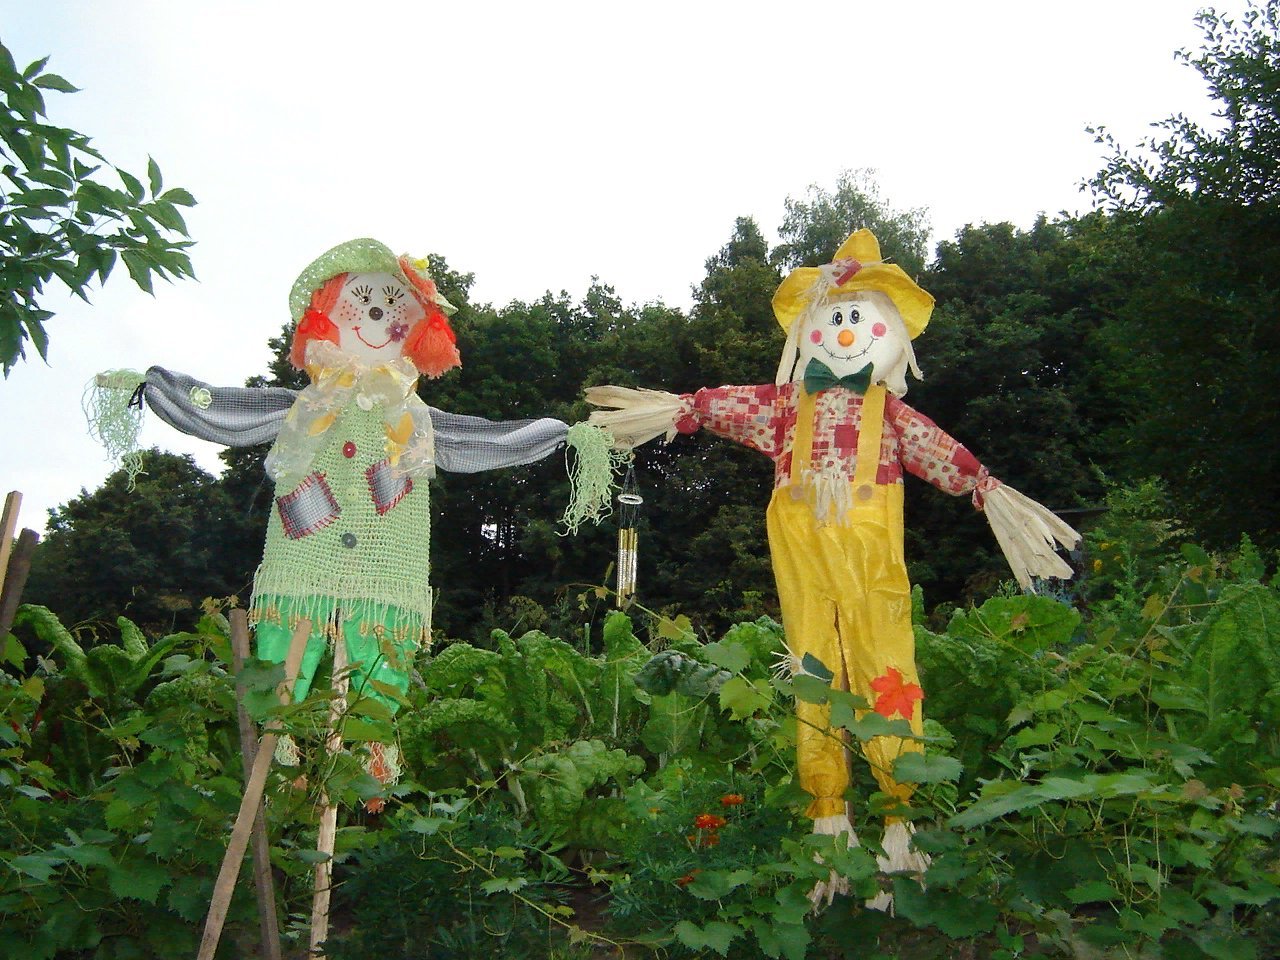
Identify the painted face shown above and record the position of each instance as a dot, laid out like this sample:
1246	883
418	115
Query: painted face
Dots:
846	335
374	314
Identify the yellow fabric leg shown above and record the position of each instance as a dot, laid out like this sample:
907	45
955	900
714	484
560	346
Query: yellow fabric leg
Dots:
809	620
846	600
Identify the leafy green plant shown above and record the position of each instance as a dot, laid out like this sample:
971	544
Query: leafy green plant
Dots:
114	823
60	221
459	880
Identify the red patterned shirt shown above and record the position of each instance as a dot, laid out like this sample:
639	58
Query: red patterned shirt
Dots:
764	418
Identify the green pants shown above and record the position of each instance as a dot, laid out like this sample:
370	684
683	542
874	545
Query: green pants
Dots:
379	646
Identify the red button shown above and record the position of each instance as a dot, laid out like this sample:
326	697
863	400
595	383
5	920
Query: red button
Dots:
348	449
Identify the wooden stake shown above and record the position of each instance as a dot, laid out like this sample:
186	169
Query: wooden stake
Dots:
230	872
328	831
262	880
15	579
8	524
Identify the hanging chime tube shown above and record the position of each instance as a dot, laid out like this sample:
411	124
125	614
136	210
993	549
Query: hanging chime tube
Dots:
629	501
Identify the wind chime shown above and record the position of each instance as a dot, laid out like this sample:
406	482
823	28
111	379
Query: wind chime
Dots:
629	503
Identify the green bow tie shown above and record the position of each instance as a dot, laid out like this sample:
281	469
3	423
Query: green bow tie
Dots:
818	377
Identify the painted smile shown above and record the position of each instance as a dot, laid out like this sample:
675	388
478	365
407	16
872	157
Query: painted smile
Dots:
374	346
849	356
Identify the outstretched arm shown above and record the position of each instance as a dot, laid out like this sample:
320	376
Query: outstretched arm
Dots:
741	413
466	444
235	416
1026	531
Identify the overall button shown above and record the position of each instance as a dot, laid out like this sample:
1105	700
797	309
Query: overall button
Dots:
348	540
348	449
864	492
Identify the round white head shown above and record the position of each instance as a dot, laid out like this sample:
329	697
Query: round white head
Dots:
374	314
848	333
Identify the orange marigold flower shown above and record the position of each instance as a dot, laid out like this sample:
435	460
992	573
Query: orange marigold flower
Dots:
895	696
731	799
688	878
709	821
711	839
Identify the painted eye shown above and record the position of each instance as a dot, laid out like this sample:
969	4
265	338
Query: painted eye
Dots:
392	294
854	315
837	318
363	294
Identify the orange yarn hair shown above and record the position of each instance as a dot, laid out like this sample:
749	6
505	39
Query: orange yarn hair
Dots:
432	344
315	323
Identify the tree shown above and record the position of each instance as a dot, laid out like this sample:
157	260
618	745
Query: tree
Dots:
58	220
151	553
1012	369
813	229
1239	162
1194	344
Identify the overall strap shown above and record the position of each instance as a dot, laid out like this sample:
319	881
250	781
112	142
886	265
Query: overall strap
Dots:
802	442
870	431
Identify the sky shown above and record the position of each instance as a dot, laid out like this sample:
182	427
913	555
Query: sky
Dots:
539	145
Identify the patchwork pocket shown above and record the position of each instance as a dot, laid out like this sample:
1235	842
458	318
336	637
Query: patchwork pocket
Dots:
387	485
309	507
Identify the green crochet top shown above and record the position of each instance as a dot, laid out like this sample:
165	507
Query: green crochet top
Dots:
343	554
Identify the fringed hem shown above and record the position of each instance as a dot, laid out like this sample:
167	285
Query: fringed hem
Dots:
380	620
591	471
825	891
899	857
287	753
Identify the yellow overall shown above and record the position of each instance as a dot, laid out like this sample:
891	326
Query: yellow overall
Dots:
845	600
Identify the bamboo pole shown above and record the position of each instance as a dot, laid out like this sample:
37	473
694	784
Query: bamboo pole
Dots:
328	830
263	883
230	871
15	578
8	524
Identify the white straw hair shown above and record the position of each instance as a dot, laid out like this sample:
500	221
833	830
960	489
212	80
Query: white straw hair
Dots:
790	352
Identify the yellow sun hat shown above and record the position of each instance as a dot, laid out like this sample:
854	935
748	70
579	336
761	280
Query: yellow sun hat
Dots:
856	267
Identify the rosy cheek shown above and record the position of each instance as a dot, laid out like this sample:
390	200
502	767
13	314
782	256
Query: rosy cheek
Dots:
879	330
815	336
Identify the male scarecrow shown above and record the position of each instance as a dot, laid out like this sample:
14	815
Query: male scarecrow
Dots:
840	437
348	540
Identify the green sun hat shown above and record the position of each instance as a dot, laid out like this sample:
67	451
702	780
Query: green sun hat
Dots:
364	255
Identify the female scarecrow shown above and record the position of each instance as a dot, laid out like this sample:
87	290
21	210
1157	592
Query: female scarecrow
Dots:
348	540
840	437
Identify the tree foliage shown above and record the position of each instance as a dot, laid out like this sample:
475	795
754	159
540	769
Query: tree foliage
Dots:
1238	161
814	227
152	553
57	219
1194	340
